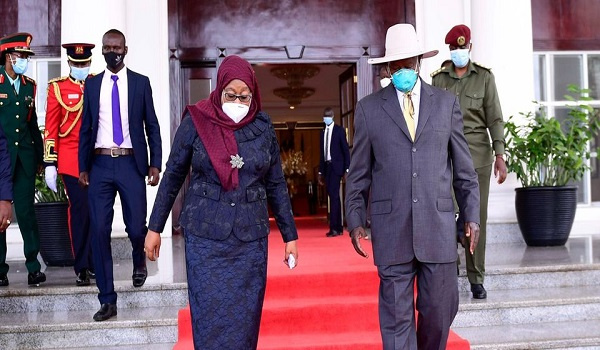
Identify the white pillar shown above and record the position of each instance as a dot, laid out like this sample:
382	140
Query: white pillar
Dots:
501	33
434	19
144	23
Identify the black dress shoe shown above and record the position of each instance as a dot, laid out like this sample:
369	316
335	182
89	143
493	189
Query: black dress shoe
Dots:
83	278
3	280
106	311
333	233
92	274
36	277
139	276
478	291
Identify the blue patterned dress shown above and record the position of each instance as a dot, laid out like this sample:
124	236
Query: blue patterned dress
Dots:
226	231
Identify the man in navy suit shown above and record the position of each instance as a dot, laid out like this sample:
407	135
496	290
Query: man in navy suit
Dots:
5	185
113	158
334	163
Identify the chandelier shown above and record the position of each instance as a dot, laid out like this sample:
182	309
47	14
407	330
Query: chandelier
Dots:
294	95
294	75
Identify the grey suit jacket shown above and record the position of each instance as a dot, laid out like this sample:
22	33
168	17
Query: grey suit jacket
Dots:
412	213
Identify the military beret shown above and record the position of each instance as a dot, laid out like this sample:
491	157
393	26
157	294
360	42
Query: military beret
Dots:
79	52
458	36
17	42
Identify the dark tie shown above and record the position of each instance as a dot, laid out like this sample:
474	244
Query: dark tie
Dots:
326	143
116	113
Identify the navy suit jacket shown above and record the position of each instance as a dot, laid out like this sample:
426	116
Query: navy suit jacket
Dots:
412	212
211	212
5	169
340	153
141	117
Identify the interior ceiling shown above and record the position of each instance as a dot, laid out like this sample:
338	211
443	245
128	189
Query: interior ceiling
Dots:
325	84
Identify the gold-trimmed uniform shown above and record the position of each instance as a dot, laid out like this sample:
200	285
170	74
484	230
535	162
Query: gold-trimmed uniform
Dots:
63	120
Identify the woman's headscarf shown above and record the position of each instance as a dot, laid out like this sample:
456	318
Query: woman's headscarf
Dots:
215	128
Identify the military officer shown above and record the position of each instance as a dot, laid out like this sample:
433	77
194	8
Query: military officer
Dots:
61	142
475	87
19	121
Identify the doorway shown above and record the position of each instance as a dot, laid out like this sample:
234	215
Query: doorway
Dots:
296	116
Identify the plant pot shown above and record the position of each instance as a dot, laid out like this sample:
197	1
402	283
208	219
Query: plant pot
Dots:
546	214
53	225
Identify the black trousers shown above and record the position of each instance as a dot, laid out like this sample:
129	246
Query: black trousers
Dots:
332	183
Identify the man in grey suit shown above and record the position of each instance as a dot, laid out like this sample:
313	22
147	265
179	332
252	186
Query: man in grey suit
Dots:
410	150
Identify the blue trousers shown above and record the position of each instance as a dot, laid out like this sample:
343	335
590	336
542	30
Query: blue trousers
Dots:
109	176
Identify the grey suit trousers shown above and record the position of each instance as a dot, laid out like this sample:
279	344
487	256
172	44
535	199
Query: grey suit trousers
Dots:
437	304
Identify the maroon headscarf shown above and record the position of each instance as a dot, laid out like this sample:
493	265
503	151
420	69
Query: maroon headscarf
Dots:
215	128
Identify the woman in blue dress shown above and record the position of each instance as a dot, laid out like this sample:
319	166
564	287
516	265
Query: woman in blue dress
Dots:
232	149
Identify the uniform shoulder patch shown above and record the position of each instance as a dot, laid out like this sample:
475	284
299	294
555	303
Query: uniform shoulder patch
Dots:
482	66
55	80
438	71
29	79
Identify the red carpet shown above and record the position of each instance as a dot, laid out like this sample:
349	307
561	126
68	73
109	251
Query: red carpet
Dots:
328	302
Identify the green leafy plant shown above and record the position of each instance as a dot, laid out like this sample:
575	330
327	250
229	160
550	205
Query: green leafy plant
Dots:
44	194
541	151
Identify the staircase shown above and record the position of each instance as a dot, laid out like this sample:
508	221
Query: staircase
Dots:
58	315
538	297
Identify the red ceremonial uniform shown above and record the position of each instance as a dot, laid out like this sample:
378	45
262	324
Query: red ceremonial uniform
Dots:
63	120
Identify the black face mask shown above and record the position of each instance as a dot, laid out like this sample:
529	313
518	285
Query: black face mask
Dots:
113	59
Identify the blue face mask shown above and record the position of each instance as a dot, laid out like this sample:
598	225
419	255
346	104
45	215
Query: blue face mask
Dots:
460	57
20	65
80	73
328	120
404	79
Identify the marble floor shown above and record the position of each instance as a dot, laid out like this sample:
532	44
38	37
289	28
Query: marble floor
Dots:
170	267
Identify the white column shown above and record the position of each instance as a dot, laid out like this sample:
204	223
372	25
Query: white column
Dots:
434	19
501	33
144	23
502	38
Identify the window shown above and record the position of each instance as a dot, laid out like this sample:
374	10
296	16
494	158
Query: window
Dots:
43	70
553	72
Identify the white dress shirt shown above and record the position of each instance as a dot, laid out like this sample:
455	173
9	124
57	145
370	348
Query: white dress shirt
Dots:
104	139
328	128
416	100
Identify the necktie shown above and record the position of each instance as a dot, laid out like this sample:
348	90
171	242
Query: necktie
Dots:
116	113
409	115
327	143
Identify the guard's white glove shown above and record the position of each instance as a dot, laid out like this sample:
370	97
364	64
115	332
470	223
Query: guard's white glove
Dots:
50	177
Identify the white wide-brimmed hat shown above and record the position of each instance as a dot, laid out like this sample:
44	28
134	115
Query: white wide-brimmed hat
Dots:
401	42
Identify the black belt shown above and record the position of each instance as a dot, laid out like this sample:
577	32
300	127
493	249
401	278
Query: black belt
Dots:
327	162
114	152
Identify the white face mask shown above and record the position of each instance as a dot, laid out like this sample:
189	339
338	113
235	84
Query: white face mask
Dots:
235	111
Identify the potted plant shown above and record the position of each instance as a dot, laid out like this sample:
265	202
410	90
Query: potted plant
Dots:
547	156
51	212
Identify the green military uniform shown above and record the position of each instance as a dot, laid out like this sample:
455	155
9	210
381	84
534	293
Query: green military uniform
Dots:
480	107
19	121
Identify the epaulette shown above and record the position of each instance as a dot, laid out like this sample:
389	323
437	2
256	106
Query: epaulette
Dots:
440	70
55	80
482	66
29	79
